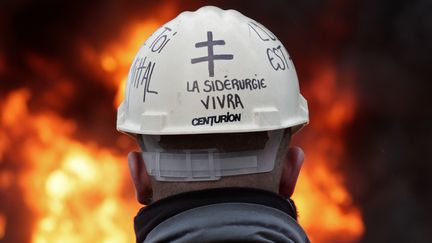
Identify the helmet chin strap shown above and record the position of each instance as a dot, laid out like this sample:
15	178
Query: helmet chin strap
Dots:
208	164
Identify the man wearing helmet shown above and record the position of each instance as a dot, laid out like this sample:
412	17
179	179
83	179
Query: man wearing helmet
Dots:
212	98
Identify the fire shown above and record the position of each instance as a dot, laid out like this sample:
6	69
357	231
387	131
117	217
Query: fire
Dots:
76	189
117	57
2	226
326	208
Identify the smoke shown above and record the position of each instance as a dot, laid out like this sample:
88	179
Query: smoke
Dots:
381	48
390	139
45	43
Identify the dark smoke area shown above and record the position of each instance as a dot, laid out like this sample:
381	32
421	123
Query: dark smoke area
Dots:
390	140
384	46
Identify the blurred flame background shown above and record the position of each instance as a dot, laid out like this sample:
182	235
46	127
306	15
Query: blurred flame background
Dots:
364	67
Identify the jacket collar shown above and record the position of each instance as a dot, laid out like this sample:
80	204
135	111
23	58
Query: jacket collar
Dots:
152	215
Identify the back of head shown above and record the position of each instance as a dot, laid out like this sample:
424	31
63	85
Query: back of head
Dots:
212	98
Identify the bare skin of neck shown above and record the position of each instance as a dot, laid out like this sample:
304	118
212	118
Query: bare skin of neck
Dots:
265	181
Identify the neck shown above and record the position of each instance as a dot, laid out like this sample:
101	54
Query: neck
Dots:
262	181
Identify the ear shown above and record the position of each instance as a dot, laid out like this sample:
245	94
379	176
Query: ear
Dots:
290	171
140	178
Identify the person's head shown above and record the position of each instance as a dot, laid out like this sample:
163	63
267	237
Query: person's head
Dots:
212	98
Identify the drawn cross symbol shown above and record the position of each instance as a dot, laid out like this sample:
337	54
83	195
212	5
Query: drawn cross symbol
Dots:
211	56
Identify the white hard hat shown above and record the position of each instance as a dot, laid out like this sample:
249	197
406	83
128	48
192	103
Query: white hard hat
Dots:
211	71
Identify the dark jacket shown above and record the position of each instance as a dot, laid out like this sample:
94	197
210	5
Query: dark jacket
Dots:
220	215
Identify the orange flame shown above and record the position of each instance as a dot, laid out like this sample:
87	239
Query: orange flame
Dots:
326	208
2	226
117	57
75	189
78	191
